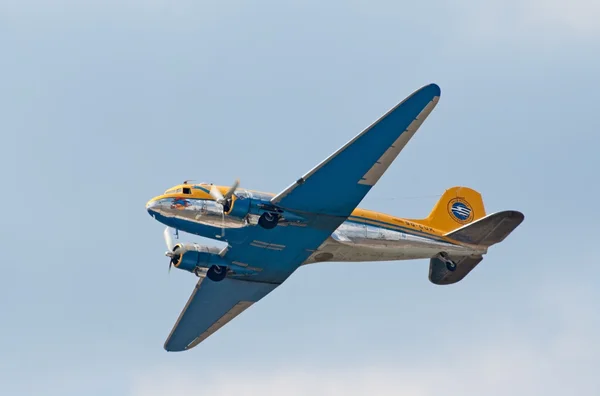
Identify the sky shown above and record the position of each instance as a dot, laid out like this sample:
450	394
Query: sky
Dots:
106	104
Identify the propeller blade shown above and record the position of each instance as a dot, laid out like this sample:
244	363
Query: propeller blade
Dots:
169	239
230	192
216	194
222	224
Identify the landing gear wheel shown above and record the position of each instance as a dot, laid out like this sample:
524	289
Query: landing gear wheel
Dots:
268	220
198	272
450	265
216	273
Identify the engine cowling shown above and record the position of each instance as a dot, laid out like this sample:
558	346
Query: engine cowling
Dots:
188	256
239	207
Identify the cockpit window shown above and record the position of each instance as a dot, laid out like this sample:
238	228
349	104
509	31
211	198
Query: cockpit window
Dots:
187	190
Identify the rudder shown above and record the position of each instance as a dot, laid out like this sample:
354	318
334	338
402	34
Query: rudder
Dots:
456	207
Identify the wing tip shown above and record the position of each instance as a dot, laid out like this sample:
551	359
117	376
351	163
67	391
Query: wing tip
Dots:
170	348
434	89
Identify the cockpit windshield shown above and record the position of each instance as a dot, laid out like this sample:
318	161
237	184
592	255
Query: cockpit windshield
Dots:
179	190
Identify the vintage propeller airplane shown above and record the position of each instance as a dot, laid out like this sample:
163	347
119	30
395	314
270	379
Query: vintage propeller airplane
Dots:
315	219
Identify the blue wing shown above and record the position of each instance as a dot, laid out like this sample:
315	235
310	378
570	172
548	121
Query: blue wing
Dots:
338	184
211	306
275	254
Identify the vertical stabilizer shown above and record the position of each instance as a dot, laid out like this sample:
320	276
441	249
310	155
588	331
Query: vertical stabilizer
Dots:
457	207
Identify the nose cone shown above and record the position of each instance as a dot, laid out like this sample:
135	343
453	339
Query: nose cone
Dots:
152	206
161	210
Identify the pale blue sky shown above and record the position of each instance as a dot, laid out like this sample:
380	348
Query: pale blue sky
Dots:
107	104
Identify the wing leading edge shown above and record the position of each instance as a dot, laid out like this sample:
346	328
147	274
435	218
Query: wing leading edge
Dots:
338	184
211	306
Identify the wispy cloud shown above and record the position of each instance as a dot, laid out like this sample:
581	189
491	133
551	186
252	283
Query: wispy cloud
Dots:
494	18
575	16
547	22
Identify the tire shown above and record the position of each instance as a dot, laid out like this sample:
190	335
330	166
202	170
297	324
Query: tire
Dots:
268	220
450	265
216	273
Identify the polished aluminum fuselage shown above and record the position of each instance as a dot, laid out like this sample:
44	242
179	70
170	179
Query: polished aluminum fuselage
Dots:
354	240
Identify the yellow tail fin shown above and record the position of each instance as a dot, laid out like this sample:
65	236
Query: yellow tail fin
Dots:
457	206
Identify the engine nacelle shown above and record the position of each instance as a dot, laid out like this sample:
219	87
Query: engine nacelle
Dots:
193	255
239	207
251	207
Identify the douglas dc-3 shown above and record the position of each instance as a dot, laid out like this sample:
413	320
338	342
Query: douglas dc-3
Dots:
316	219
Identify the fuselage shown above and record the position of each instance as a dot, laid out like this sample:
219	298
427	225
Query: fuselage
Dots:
365	236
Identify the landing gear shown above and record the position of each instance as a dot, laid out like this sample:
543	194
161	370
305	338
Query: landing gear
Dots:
216	273
268	220
450	264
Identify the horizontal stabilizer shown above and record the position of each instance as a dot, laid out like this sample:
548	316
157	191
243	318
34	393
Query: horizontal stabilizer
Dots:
489	230
441	274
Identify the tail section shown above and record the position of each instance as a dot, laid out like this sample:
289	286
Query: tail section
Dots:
461	216
485	232
457	207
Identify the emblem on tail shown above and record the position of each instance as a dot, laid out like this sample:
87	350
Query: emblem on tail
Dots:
456	207
460	210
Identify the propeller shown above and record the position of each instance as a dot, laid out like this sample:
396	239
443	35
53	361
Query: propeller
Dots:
224	200
172	248
232	189
220	198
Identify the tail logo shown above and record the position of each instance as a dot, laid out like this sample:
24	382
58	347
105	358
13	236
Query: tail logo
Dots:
460	210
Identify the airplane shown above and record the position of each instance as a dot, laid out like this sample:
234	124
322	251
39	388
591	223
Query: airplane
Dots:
315	220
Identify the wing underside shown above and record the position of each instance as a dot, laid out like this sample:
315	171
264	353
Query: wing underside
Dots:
338	184
211	306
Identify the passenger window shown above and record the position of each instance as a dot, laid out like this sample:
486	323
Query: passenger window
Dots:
187	190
